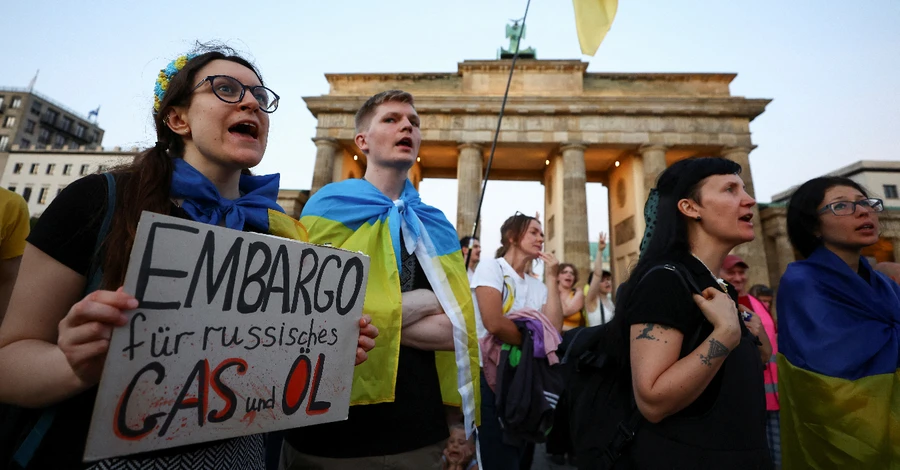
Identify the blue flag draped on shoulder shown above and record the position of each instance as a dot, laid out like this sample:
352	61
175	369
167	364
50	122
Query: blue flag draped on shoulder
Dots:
354	215
839	352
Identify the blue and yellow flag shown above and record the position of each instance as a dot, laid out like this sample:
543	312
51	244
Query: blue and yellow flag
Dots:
838	359
356	216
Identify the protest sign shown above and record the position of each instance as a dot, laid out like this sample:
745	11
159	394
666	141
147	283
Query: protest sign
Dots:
236	333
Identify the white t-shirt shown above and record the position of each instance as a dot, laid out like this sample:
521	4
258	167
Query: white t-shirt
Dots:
597	317
526	292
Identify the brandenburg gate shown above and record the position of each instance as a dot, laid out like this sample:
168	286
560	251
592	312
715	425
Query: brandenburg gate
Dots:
564	127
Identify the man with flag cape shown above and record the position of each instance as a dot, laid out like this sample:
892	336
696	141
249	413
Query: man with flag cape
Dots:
418	296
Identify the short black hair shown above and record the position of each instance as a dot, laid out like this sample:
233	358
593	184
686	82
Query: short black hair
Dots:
605	274
464	241
803	211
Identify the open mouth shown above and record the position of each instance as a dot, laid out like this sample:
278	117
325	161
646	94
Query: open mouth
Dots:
747	218
866	227
245	128
405	142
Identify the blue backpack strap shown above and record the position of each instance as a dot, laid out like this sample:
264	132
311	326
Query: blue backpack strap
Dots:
95	277
29	446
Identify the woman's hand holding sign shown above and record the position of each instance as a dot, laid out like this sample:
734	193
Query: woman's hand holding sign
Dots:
85	331
367	334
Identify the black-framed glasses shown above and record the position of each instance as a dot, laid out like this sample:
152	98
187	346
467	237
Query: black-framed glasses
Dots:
231	90
849	207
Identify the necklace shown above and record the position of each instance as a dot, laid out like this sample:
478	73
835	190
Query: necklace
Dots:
719	280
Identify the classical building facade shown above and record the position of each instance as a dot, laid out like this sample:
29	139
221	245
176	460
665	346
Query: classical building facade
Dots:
564	127
28	118
880	179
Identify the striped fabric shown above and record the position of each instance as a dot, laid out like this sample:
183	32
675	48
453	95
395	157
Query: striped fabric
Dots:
356	216
773	434
771	372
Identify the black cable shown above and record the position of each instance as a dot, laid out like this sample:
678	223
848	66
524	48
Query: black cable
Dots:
487	171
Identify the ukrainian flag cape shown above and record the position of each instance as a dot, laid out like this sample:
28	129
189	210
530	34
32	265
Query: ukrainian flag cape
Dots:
356	216
283	225
839	351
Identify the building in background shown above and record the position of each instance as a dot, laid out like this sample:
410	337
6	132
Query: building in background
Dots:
29	119
881	179
39	175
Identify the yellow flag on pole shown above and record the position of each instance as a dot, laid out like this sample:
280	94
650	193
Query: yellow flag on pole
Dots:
593	19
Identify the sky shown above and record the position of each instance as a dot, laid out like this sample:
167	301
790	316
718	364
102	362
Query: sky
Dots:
831	67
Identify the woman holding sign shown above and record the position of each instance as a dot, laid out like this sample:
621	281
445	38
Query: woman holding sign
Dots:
211	112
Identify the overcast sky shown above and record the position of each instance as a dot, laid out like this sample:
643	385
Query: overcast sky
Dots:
830	66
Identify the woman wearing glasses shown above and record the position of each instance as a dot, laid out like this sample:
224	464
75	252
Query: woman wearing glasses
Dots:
838	334
211	113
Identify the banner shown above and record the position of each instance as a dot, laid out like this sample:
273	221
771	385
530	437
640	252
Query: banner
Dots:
236	333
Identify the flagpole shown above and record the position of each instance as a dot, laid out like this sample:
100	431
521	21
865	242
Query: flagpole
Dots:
487	171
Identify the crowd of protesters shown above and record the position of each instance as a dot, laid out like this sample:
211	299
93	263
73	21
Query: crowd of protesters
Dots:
716	376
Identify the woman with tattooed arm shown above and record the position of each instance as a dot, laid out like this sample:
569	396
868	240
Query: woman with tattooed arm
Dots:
695	370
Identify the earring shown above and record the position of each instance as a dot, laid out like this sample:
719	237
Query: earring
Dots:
697	218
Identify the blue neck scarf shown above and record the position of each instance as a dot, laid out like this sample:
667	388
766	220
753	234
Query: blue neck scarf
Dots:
356	201
203	203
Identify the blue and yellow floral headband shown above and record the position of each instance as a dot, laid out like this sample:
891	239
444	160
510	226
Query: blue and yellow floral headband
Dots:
165	77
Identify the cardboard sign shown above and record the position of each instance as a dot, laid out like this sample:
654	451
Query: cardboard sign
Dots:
237	333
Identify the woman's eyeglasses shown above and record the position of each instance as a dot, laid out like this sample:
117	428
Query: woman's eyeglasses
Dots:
230	90
849	207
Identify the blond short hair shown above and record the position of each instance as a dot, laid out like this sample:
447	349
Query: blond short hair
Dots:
364	115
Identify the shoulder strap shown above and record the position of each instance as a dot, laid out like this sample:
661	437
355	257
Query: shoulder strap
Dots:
95	274
29	446
627	428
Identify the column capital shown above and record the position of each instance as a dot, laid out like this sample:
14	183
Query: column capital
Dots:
652	148
573	146
326	141
741	150
470	145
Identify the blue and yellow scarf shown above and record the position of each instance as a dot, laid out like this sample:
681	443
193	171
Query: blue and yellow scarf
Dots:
356	216
838	359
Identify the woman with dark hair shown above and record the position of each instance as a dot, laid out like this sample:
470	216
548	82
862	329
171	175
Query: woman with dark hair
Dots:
838	334
211	113
694	368
572	299
764	294
503	287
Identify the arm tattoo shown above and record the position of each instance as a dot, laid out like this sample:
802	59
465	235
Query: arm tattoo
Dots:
648	327
716	349
645	334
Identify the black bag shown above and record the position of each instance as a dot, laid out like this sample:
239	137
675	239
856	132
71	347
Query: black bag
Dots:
23	429
603	416
528	390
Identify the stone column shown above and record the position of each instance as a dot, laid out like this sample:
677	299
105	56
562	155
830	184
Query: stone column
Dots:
327	150
654	159
575	230
785	253
468	176
754	253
